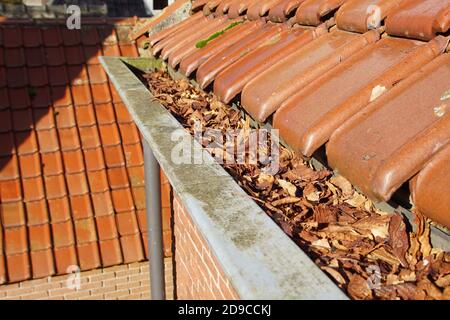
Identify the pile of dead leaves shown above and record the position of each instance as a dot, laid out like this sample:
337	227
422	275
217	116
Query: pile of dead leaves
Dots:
369	253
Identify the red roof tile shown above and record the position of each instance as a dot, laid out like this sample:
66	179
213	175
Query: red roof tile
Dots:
334	71
63	170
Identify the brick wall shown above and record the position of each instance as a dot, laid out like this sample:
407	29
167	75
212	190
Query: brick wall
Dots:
125	282
198	274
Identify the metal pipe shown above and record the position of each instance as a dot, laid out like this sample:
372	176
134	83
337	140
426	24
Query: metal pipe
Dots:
154	222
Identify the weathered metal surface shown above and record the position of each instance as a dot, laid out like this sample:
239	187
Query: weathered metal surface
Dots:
250	247
430	189
218	62
192	38
311	12
363	15
192	61
382	147
232	80
260	8
281	11
420	19
264	94
174	29
307	120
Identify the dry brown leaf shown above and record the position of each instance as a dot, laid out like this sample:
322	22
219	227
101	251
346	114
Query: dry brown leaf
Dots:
343	184
398	238
288	187
358	288
335	274
284	201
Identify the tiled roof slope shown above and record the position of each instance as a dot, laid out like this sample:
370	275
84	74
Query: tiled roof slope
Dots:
71	163
366	81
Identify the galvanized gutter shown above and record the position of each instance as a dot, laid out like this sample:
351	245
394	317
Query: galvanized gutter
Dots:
256	255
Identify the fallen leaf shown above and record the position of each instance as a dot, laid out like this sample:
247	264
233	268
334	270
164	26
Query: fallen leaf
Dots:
358	288
288	187
335	274
343	184
398	238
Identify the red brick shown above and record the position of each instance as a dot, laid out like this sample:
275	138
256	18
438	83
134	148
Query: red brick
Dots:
51	37
61	95
12	214
127	223
111	50
85	231
42	263
32	37
18	267
110	252
88	256
81	206
54	56
19	98
57	76
37	76
74	55
64	258
16	240
63	234
132	248
106	227
39	237
101	93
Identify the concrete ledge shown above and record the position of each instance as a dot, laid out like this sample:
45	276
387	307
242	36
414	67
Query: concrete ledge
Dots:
259	259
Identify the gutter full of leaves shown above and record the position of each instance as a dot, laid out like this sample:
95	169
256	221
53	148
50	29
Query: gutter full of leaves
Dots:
370	254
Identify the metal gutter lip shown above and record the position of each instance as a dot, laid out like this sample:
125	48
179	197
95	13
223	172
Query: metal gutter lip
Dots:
258	257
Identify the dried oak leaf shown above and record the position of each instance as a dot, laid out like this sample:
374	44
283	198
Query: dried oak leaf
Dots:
430	289
335	275
343	184
325	214
398	238
358	288
265	181
288	187
311	193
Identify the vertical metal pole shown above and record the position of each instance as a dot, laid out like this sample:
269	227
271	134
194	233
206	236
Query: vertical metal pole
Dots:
154	222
